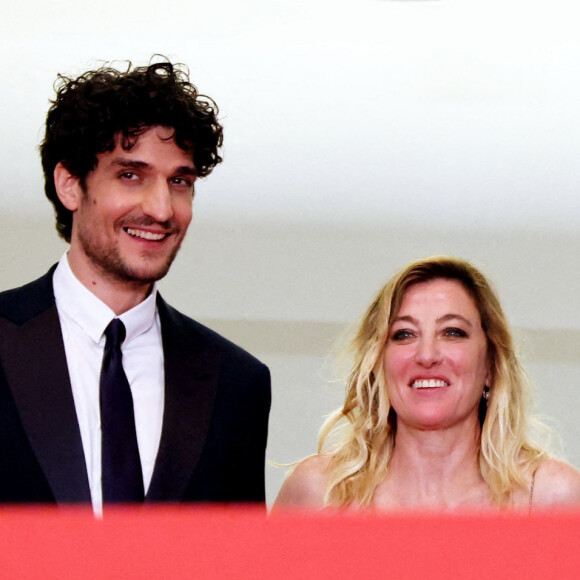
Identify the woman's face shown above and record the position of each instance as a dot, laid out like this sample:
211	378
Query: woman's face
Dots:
435	359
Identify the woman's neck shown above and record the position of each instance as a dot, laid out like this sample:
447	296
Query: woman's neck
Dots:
434	469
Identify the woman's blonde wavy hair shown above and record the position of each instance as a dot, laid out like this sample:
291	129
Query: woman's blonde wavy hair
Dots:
364	430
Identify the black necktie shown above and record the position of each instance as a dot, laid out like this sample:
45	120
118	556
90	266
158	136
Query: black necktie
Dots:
122	479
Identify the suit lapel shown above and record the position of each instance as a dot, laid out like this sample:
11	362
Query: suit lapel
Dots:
191	374
34	361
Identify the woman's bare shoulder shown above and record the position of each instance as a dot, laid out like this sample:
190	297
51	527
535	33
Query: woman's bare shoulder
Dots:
305	485
556	483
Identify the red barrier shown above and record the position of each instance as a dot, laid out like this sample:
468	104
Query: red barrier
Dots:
187	542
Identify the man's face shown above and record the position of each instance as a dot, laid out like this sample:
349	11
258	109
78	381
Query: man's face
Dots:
134	211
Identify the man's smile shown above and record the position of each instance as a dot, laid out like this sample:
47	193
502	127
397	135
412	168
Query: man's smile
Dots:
146	235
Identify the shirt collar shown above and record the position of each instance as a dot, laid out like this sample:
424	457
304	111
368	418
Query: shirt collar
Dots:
93	315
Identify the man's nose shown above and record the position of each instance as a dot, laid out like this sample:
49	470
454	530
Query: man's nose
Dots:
157	202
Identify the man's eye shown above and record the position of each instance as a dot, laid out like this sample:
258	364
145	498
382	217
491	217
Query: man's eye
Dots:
455	332
128	175
183	182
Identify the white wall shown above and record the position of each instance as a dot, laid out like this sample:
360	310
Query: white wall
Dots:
360	134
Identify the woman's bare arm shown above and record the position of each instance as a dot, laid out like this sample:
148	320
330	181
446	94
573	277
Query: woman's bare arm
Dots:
557	483
305	486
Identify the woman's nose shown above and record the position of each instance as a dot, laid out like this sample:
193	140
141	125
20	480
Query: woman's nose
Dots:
428	352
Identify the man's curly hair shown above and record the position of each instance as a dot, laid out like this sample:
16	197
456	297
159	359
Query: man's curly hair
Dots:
92	111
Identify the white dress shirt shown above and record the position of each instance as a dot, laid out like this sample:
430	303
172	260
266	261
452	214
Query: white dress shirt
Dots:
83	318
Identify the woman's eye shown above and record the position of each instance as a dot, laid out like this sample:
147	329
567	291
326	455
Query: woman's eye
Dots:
402	335
455	332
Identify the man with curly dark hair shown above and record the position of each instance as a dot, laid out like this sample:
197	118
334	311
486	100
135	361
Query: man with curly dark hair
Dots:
107	394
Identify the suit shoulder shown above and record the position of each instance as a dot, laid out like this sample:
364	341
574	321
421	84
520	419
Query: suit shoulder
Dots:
20	304
187	325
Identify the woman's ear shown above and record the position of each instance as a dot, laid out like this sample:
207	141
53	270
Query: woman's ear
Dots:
488	376
68	187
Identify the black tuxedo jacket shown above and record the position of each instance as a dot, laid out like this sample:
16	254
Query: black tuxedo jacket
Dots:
217	400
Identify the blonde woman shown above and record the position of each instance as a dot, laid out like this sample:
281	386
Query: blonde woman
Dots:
436	408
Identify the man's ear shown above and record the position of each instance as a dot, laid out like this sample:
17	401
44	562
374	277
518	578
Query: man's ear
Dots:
68	187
